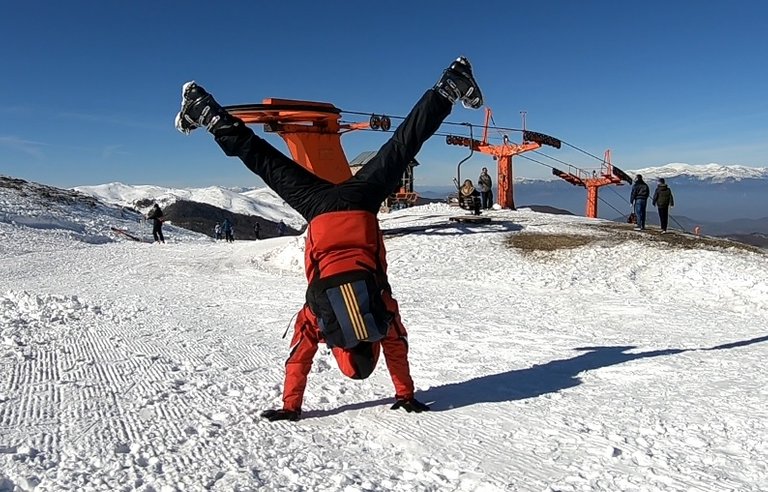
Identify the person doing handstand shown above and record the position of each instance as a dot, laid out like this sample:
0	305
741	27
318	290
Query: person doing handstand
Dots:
349	300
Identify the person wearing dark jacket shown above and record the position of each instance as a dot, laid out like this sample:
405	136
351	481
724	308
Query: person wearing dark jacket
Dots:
662	200
156	214
639	198
226	228
349	305
485	184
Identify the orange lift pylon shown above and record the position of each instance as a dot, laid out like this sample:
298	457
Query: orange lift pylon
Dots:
609	174
312	131
503	154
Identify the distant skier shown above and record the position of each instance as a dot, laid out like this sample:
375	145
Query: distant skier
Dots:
217	231
281	228
156	214
662	200
226	227
639	198
257	230
349	301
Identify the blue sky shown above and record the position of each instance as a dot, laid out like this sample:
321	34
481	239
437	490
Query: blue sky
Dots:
89	89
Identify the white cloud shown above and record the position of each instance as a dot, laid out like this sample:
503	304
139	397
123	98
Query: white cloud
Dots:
19	144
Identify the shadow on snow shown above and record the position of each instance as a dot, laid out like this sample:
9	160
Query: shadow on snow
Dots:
454	228
520	384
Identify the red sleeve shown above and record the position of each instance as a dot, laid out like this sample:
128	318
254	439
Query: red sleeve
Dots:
303	349
395	347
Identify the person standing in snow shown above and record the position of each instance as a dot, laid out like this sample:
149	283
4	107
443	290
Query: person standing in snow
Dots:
281	228
662	200
156	214
257	230
639	198
217	231
486	189
226	227
349	305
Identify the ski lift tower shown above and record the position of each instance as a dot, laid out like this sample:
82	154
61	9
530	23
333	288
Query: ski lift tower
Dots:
609	175
503	155
312	131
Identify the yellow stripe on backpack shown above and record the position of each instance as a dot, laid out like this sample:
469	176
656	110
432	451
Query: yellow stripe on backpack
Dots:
353	310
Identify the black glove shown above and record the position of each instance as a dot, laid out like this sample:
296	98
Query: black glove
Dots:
410	405
274	415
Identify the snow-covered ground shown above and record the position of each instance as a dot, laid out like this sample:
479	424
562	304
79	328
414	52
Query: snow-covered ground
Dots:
620	365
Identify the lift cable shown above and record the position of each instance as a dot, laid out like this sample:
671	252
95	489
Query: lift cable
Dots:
558	160
493	127
621	214
500	129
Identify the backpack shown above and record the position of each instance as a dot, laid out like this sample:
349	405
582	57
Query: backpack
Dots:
349	308
346	269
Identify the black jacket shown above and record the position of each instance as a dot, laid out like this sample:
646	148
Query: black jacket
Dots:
485	183
662	197
155	214
639	190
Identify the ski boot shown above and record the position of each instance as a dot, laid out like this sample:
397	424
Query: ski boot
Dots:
199	109
457	83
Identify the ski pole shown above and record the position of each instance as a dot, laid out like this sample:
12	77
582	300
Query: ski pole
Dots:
289	324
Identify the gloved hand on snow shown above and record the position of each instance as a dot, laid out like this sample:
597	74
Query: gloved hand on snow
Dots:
410	405
282	414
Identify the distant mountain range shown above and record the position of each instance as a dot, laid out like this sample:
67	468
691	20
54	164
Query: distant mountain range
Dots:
712	173
722	200
198	209
729	199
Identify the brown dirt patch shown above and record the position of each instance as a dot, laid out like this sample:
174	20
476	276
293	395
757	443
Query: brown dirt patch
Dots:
675	239
530	242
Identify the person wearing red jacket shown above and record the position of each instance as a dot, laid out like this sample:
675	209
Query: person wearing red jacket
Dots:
349	301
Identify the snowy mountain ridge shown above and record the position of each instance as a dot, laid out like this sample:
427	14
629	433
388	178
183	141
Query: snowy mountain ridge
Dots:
55	215
262	202
716	173
713	172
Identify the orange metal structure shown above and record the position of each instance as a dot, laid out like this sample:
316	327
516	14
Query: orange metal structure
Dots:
407	197
312	131
503	154
608	175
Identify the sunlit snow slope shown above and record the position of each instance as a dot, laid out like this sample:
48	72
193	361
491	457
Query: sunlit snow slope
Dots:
558	354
